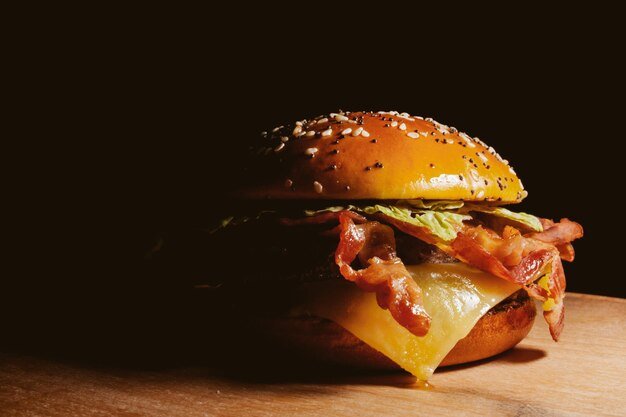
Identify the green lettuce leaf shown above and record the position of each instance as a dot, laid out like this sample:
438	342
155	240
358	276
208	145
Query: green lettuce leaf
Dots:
235	221
524	218
442	218
432	204
334	209
443	224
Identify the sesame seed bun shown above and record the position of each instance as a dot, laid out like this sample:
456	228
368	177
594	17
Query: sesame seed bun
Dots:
383	155
503	327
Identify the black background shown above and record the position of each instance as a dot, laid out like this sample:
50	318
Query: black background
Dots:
135	126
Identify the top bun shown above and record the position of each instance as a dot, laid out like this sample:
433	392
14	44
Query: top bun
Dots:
382	155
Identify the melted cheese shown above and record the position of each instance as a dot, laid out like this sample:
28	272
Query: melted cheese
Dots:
455	295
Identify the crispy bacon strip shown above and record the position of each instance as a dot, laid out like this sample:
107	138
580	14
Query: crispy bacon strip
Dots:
557	234
471	252
386	275
497	255
567	252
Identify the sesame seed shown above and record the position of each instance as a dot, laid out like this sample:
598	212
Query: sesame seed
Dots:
327	132
318	187
284	139
480	194
311	151
432	165
467	140
301	134
280	147
324	120
449	141
413	135
288	183
477	140
310	133
346	131
365	134
264	134
341	118
402	127
394	124
347	188
276	129
357	132
332	166
298	123
297	130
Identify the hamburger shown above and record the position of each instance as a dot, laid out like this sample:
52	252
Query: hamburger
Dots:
382	240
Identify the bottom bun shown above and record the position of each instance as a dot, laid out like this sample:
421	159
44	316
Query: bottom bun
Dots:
503	327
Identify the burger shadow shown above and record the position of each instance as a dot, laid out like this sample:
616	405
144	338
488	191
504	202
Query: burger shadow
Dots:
199	351
183	336
515	355
260	373
191	350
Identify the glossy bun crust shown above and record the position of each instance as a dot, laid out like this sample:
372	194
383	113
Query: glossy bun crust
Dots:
503	327
382	155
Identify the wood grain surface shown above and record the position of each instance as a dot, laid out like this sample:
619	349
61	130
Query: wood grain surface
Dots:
582	375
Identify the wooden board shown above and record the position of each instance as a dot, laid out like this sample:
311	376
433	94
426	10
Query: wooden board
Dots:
583	375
